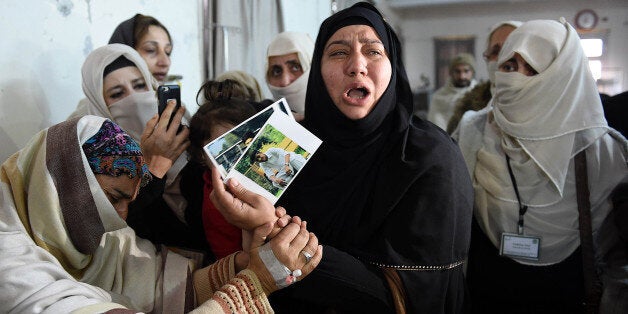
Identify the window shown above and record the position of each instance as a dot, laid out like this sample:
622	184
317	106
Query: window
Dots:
608	78
594	49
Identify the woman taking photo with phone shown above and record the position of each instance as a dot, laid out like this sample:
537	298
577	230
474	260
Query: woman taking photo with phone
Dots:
118	85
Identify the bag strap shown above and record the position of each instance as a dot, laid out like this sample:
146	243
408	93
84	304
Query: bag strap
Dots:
592	284
396	288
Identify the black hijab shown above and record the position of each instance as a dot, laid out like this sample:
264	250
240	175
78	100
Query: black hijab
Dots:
395	105
125	32
336	188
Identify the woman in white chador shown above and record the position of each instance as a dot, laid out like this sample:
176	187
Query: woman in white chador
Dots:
523	151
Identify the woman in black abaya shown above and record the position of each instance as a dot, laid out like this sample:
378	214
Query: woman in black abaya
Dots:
388	195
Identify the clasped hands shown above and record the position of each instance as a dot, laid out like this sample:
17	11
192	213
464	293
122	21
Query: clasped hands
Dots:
291	243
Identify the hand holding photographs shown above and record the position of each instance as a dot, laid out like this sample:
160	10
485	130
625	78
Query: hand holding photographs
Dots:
265	152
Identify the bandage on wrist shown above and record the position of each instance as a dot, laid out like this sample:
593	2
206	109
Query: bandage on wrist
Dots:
281	274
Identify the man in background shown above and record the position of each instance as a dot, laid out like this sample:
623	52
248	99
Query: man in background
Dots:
461	79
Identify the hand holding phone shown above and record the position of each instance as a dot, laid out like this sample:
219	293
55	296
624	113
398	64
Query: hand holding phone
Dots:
164	94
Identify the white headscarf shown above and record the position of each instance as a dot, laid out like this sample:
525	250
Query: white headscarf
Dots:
541	122
92	73
545	112
287	43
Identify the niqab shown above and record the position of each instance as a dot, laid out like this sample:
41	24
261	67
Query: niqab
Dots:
555	114
92	73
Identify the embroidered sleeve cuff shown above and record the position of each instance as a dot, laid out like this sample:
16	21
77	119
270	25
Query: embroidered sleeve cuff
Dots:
209	279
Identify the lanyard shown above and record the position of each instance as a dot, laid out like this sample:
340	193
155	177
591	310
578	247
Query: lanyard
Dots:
522	208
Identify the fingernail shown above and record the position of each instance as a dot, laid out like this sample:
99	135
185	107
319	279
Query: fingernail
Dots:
234	182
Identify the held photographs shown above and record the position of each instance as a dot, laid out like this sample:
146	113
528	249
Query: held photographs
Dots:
227	149
265	152
275	156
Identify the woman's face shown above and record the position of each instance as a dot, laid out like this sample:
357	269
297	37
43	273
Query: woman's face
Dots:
284	69
356	70
155	48
120	191
517	64
121	83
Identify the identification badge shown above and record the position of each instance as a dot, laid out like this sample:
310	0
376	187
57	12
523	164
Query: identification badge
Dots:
520	246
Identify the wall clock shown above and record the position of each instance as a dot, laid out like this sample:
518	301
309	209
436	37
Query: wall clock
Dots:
586	19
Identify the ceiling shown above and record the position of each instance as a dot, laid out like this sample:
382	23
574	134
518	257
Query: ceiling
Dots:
401	4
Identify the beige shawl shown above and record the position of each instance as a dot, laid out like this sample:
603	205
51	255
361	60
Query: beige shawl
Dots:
63	245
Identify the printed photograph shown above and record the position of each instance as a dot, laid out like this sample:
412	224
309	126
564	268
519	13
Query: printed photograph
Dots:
272	160
227	149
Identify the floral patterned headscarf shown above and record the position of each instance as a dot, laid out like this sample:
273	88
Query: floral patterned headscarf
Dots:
113	152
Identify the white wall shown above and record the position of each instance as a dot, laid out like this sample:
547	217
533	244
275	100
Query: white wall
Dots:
305	15
419	27
44	44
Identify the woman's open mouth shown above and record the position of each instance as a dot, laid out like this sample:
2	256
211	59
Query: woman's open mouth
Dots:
357	92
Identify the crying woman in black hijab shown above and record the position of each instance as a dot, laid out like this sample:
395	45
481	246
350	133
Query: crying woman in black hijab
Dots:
388	195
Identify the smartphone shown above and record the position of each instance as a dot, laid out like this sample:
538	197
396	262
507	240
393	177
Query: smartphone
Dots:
164	94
